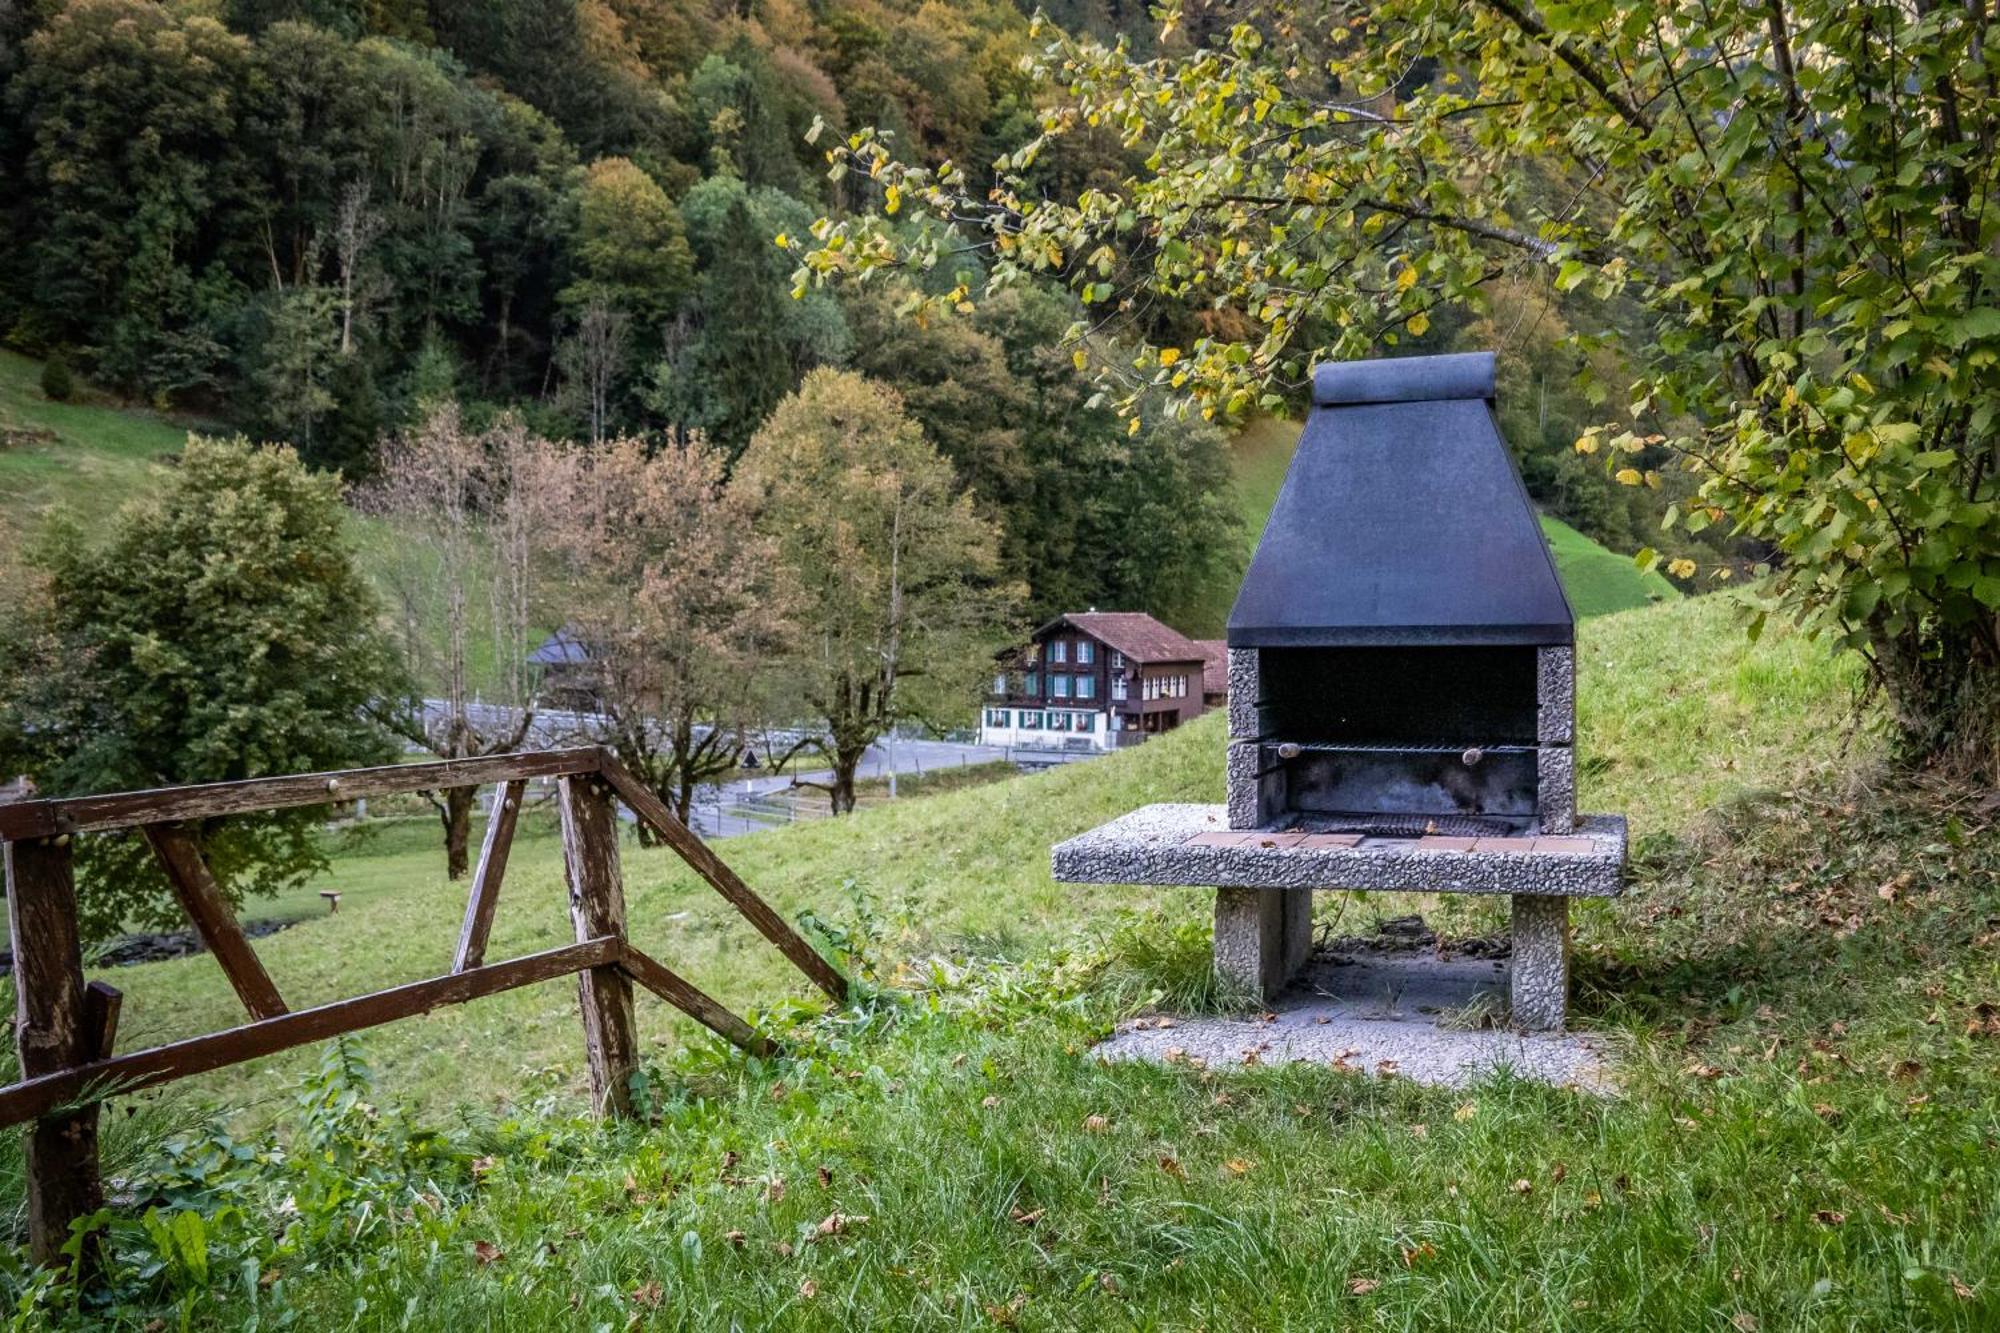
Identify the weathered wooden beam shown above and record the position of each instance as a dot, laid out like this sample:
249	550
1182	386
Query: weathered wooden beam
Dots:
725	881
201	898
597	907
163	805
685	996
486	878
101	1003
197	1055
52	1031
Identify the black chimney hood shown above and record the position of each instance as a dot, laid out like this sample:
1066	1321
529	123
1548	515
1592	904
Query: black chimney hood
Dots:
1402	521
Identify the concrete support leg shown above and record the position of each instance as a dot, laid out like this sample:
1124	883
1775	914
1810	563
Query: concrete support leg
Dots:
1538	978
1262	937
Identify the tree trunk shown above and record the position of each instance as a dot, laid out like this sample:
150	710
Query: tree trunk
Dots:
845	762
456	814
1944	692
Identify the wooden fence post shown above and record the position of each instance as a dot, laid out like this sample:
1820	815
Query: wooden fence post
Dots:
53	1031
597	908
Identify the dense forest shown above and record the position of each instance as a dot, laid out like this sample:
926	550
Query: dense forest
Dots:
308	217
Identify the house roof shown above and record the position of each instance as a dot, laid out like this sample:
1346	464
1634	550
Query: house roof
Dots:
562	648
1214	665
1133	633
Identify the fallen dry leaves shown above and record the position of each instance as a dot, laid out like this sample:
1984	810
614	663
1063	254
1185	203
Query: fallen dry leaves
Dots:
1361	1286
487	1252
838	1224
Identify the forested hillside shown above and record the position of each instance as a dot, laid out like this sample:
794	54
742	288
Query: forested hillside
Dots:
306	218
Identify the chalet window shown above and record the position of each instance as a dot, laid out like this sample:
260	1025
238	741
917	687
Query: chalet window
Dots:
1086	652
1059	650
1059	687
1117	660
1118	688
1030	721
1034	683
1086	686
1000	684
996	717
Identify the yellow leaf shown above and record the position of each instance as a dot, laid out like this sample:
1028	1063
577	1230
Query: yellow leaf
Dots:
1418	323
1681	569
1081	359
1626	476
784	242
1132	427
1406	279
1169	355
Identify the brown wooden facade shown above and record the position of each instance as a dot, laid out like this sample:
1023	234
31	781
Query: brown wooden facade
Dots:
1130	674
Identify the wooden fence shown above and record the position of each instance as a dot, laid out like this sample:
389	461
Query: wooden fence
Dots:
65	1029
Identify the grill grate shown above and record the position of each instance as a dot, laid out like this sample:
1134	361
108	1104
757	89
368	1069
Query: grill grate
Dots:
1411	826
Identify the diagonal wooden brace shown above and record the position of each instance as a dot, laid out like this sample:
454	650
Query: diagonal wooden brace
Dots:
685	996
722	879
201	898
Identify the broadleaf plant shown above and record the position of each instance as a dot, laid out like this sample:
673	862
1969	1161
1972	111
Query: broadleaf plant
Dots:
1784	210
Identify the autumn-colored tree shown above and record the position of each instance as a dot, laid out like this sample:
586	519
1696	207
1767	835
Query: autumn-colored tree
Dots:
631	250
678	601
900	609
1796	196
462	508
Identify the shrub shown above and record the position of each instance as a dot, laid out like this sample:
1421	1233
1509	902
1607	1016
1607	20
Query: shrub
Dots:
58	386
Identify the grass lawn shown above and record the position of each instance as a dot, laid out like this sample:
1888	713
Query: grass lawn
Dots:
1805	1135
98	459
1678	716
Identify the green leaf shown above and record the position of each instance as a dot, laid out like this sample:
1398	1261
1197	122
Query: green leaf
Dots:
1981	323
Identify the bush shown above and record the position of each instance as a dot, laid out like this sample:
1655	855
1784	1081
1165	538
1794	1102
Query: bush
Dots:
57	384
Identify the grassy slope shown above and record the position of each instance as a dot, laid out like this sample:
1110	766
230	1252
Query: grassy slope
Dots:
1677	716
1804	1138
97	462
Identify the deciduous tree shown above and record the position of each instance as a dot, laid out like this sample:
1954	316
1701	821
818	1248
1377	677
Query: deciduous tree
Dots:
458	503
219	630
1797	194
900	606
679	602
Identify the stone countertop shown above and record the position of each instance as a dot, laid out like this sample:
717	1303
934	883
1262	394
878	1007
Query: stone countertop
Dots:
1194	845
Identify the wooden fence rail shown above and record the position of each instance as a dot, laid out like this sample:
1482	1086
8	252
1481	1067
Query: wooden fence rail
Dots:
65	1029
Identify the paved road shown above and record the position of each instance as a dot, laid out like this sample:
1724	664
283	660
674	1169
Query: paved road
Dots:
716	812
882	759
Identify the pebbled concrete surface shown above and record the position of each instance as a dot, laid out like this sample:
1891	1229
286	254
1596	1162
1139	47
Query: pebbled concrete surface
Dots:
1162	844
1374	1007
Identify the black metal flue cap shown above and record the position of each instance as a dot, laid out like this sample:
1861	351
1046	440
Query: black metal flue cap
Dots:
1402	521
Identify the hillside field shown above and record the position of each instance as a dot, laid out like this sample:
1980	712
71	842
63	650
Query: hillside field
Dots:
101	453
1791	989
1797	991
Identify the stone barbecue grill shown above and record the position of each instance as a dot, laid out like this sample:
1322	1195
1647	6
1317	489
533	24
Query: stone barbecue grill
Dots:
1401	695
